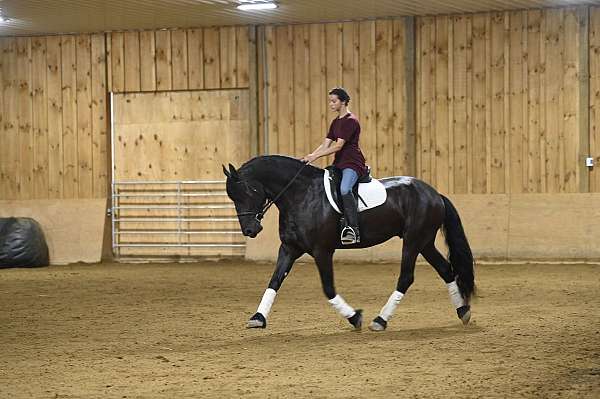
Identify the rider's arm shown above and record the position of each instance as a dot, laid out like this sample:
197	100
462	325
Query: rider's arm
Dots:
330	149
325	144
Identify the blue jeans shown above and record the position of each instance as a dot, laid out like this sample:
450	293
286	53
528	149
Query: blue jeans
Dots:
349	178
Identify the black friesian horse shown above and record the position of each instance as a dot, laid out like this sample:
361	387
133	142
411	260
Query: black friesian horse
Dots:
413	211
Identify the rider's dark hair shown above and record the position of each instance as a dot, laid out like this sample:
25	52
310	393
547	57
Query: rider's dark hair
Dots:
341	93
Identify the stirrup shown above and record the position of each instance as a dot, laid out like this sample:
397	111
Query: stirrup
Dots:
348	236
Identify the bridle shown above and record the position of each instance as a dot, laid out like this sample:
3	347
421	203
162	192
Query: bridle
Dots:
258	215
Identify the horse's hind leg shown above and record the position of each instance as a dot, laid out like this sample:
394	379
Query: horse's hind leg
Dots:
444	269
410	251
324	261
439	263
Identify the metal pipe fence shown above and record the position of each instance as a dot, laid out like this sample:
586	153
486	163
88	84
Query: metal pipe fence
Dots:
173	214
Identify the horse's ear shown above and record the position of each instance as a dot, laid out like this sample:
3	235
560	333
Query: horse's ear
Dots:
234	173
226	171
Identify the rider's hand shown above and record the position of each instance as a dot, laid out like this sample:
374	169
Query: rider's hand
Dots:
308	158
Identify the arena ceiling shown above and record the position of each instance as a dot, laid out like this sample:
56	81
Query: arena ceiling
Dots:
29	17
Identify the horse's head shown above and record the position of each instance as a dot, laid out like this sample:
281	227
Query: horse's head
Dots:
249	196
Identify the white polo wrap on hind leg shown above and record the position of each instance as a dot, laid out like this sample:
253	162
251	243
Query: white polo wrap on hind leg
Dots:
342	307
390	307
455	296
267	301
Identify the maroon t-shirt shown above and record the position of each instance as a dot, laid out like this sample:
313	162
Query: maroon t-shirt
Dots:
350	156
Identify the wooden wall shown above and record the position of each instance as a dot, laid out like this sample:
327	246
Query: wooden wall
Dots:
500	97
183	135
594	120
304	61
183	59
498	102
54	103
53	130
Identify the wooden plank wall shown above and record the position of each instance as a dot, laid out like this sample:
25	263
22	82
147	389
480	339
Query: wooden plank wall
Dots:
594	82
304	61
180	59
183	135
497	97
53	117
498	102
53	98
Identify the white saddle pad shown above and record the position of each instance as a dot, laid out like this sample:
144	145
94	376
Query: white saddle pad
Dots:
372	193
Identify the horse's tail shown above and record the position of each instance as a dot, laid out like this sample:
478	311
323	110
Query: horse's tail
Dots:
460	255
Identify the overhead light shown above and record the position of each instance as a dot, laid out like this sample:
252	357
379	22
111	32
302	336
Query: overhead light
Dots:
256	6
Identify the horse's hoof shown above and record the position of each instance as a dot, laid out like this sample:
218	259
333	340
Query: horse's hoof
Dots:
356	320
378	324
464	314
257	321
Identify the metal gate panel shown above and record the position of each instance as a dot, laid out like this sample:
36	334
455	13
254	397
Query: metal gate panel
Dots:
153	219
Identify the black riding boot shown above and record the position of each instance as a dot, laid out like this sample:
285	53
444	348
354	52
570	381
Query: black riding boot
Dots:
350	233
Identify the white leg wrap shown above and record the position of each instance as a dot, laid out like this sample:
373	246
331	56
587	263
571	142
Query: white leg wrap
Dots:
390	307
342	307
267	301
455	296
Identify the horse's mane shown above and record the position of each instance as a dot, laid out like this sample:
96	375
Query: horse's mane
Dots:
279	163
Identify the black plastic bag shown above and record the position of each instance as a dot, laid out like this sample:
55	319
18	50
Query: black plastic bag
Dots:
22	243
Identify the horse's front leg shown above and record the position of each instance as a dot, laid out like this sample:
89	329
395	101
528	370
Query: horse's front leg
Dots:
324	260
286	258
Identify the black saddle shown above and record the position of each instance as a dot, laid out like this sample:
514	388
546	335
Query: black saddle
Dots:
336	179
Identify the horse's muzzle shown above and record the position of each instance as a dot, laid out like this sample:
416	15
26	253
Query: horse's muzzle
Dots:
252	232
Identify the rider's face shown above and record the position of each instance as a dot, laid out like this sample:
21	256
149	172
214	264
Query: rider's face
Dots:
334	103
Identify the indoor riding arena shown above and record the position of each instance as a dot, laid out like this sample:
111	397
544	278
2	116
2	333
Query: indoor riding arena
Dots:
163	167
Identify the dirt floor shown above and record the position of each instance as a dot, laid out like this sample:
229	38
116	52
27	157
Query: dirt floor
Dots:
175	331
